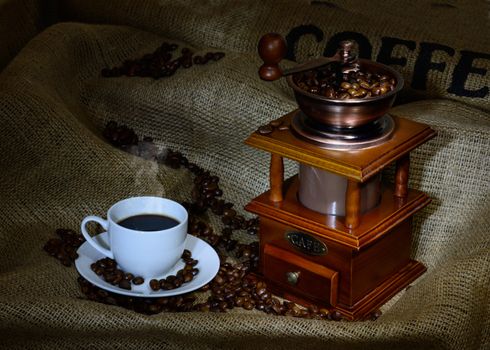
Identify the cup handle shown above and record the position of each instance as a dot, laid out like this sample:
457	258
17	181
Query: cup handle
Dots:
92	242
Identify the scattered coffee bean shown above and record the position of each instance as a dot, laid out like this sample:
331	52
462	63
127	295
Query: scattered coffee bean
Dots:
155	284
375	315
160	63
275	123
232	287
180	303
106	269
64	248
335	315
138	280
186	254
184	275
125	284
265	129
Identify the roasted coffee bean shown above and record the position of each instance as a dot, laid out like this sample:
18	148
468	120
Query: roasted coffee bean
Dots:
265	129
336	316
169	279
345	85
138	280
198	60
167	285
227	220
192	262
186	52
213	240
314	90
154	284
153	309
186	254
229	213
178	282
186	62
125	284
159	64
328	92
218	55
248	305
188	277
64	248
184	275
219	280
375	315
323	313
365	85
231	244
275	123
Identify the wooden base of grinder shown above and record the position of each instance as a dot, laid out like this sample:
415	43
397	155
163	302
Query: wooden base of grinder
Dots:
311	258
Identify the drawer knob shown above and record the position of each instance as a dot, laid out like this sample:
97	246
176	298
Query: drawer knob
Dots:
292	277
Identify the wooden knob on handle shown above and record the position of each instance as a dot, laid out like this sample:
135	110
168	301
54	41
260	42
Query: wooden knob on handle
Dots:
272	49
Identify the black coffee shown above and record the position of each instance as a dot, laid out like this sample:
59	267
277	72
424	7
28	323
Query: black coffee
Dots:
148	222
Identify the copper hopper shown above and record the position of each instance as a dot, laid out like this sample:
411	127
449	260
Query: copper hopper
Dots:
336	113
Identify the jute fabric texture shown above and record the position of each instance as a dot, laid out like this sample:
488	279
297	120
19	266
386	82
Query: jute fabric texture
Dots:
56	168
441	48
20	21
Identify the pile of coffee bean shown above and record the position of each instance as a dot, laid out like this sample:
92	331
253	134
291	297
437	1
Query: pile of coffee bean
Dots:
161	62
65	247
107	269
179	303
332	83
184	275
233	286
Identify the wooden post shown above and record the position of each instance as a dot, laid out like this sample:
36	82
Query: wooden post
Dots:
401	176
276	178
353	204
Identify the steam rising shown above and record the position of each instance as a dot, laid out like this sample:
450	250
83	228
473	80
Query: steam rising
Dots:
146	149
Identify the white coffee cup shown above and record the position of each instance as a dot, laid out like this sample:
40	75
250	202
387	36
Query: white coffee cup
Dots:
147	254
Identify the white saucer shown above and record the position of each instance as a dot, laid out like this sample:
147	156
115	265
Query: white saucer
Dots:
206	255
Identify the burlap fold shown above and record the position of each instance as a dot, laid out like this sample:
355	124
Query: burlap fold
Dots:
56	168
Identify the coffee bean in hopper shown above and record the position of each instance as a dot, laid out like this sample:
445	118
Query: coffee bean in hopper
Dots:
353	85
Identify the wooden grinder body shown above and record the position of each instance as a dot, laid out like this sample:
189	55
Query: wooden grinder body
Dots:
354	263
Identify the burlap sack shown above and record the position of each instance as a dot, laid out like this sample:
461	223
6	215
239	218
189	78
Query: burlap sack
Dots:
20	21
441	48
56	169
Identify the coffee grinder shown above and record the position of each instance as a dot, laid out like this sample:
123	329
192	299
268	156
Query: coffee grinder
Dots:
335	234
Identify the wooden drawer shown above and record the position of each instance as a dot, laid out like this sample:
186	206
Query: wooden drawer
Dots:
300	275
